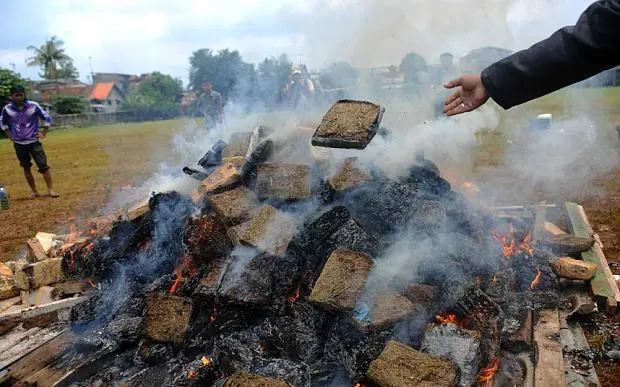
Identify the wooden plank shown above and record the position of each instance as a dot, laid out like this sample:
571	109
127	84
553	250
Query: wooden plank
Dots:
602	285
539	225
6	304
38	359
13	338
574	342
33	339
19	315
552	229
548	370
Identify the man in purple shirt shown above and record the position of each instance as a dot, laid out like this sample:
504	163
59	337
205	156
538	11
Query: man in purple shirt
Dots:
20	119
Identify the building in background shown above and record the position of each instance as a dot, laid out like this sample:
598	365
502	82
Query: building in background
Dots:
106	97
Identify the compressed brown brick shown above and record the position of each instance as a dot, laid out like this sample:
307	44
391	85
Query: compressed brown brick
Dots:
348	124
167	317
238	145
402	366
223	177
270	230
351	175
342	280
283	181
244	379
206	239
234	206
576	269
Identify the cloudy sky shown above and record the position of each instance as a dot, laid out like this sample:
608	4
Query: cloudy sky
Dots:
145	35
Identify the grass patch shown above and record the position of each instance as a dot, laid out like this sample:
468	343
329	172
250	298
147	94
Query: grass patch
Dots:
83	162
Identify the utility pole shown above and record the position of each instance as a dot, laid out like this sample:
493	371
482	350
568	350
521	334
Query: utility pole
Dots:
90	66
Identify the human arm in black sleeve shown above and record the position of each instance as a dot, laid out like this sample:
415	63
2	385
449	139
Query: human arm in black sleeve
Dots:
568	56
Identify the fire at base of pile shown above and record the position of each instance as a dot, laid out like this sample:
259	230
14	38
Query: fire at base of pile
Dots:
271	279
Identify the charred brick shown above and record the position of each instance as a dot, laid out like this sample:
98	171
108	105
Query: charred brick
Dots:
125	330
351	236
314	233
214	156
206	239
449	342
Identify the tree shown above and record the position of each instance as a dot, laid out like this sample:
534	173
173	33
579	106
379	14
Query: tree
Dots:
226	71
49	57
69	104
157	96
272	76
67	71
411	65
338	75
8	79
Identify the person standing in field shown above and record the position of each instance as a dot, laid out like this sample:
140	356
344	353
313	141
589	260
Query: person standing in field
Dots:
211	105
20	120
570	55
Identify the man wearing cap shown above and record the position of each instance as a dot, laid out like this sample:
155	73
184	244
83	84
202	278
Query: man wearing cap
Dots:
299	87
20	120
211	105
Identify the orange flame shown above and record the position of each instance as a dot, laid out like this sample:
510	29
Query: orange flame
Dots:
485	377
357	385
295	296
92	284
177	281
447	318
205	363
509	243
536	279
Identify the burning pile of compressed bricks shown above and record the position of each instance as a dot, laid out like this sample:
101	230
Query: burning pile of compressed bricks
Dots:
284	274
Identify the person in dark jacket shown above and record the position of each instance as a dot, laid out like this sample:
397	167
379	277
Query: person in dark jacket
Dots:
570	55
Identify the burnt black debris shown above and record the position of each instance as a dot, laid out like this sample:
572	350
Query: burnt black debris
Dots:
190	294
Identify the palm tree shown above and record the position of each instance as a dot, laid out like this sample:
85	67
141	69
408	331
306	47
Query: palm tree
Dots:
49	56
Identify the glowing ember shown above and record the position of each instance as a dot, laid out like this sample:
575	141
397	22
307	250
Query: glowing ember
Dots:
205	363
212	318
260	348
446	318
294	297
485	377
536	279
494	279
177	281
